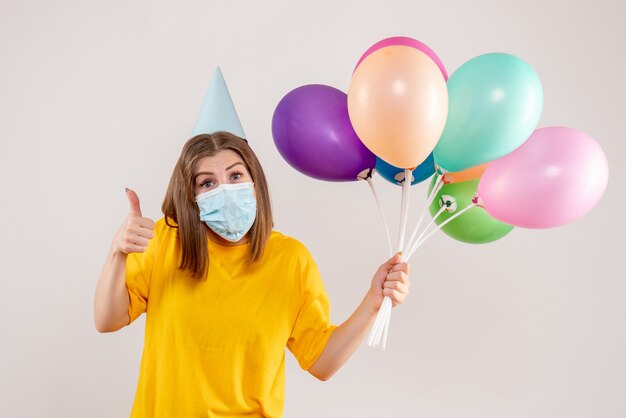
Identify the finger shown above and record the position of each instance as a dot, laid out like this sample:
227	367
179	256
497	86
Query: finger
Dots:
400	287
145	233
134	239
133	248
386	266
146	223
399	276
141	226
133	199
395	259
402	267
396	297
133	229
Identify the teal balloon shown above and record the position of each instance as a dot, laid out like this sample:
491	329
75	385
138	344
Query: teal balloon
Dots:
495	102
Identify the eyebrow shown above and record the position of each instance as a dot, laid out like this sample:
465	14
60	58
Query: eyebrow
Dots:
212	174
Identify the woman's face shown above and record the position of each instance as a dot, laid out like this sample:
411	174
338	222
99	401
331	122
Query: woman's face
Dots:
225	167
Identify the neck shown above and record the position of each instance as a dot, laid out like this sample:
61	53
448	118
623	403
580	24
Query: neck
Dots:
225	243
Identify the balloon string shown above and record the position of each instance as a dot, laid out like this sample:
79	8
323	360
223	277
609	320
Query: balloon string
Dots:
381	322
385	313
374	330
386	330
406	188
380	330
378	333
432	220
438	185
386	317
382	317
382	214
441	225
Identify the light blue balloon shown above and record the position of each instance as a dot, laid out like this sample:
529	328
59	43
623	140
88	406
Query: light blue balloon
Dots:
395	174
495	102
218	111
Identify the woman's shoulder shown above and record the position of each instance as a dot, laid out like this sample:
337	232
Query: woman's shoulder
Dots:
281	242
164	225
165	229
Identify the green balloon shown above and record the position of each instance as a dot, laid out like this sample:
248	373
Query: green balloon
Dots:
494	105
475	226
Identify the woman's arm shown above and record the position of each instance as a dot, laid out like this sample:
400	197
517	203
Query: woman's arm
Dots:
111	299
391	279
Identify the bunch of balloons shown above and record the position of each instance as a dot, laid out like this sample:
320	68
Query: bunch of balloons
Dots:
474	133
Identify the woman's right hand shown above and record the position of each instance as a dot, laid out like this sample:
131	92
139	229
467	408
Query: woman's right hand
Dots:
136	232
111	298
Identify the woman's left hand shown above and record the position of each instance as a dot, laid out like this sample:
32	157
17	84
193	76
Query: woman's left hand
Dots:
391	279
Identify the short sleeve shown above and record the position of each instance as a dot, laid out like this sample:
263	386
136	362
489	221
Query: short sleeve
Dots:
312	327
139	268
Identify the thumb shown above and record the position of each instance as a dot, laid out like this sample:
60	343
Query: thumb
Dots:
386	266
133	199
395	259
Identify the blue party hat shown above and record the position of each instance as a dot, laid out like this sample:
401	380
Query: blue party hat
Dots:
218	111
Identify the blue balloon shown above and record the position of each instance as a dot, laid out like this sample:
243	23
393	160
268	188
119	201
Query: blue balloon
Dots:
395	175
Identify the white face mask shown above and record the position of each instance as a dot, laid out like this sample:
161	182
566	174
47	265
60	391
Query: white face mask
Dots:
229	210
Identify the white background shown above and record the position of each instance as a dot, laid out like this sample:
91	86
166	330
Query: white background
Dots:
96	96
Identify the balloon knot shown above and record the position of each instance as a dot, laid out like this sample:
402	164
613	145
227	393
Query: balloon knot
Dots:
448	203
366	174
477	200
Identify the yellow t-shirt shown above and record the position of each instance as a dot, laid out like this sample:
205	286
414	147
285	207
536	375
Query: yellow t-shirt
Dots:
216	347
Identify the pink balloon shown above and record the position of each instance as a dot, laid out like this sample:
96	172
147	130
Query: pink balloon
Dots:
403	40
555	177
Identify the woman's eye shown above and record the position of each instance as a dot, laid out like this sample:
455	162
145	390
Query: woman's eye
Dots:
236	176
206	184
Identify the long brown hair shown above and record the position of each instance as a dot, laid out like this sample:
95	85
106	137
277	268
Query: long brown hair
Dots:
179	204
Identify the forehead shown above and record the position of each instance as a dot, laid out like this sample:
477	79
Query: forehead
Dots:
218	162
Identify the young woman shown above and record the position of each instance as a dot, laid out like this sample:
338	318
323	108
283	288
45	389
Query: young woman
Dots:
223	293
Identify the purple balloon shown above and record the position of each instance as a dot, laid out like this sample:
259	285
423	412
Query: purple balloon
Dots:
313	133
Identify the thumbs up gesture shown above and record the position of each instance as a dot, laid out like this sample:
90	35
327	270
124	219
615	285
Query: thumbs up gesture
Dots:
134	235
